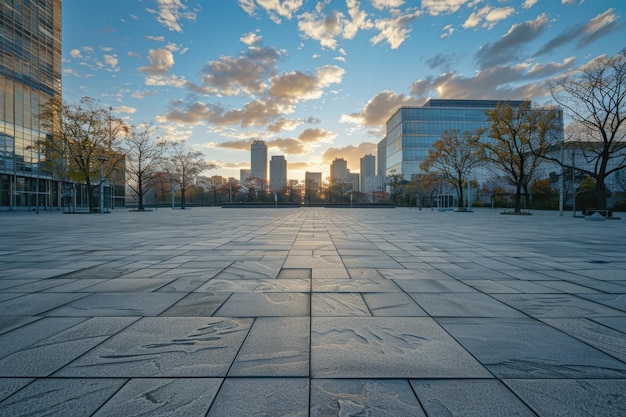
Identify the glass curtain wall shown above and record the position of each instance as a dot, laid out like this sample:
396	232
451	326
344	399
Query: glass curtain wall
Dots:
30	74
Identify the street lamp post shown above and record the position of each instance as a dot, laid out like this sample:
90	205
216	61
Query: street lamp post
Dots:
102	161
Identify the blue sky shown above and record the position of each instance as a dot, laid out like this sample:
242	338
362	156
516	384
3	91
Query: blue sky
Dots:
317	80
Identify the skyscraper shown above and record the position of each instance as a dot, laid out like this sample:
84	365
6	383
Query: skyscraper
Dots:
278	173
258	160
368	170
339	170
30	74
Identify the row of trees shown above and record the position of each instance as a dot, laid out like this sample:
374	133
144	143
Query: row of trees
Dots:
522	138
85	144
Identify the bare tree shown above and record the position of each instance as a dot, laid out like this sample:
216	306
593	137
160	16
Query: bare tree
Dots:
521	137
83	142
595	99
144	156
184	165
454	157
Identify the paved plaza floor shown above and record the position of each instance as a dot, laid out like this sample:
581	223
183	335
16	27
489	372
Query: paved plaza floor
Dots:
312	312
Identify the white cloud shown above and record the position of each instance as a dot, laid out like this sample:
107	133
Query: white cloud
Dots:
437	7
275	9
395	30
390	4
529	3
161	60
171	12
448	30
250	38
323	29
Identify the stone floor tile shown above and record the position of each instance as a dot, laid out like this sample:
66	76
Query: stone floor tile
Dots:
36	303
165	347
525	348
60	397
160	397
266	304
139	304
8	386
362	285
262	397
468	398
387	347
572	397
392	305
275	347
557	305
603	338
338	305
446	286
454	304
255	285
197	305
363	397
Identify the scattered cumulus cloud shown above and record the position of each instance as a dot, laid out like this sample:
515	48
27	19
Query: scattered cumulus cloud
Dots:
171	12
395	30
378	109
161	60
488	16
275	9
438	7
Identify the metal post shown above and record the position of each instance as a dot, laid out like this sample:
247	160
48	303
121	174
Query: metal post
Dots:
562	182
102	160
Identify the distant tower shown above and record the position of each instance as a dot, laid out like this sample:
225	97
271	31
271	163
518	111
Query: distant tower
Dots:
368	169
278	173
258	160
339	170
313	180
244	175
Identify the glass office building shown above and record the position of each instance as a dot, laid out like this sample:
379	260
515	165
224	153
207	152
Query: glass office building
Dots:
411	131
30	74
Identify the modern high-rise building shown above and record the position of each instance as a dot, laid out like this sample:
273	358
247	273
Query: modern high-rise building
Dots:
382	158
258	160
353	180
30	75
411	131
278	173
244	176
313	180
368	170
339	170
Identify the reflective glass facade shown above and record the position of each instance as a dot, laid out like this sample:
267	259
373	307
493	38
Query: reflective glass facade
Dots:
411	131
30	74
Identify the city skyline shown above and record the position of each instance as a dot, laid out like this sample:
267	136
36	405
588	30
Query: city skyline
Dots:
318	80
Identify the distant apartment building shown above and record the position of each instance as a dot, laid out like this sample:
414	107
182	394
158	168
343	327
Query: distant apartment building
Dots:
258	159
278	173
368	170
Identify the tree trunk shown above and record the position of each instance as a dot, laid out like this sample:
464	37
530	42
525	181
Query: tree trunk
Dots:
140	196
518	198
